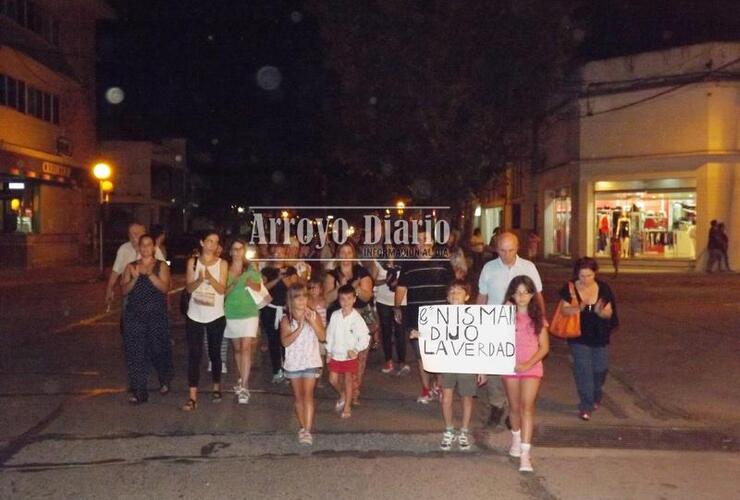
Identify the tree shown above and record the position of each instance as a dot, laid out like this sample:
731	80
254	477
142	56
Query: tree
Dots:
435	97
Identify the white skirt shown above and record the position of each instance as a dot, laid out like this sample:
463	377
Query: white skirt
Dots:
240	328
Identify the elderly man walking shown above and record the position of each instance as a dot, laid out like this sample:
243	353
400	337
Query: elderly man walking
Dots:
492	284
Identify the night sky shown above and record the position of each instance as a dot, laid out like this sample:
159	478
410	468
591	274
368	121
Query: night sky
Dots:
188	68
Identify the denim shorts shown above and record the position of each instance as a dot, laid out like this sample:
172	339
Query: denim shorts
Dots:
307	373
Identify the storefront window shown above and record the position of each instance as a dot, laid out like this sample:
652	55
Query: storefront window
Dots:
646	224
16	203
561	225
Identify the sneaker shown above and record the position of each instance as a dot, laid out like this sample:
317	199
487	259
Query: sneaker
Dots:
425	398
525	463
463	440
387	367
405	370
278	377
516	446
306	439
243	396
238	386
584	415
448	437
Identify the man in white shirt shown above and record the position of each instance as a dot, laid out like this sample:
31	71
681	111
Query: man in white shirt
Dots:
126	254
492	285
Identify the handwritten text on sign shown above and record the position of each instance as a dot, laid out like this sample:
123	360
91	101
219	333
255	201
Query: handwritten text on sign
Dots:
467	339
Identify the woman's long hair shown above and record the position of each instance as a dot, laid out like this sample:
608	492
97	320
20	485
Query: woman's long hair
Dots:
244	244
295	290
533	309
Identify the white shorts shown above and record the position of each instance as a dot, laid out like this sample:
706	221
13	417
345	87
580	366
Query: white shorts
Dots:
240	328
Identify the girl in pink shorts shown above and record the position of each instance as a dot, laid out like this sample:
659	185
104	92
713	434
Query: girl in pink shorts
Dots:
532	345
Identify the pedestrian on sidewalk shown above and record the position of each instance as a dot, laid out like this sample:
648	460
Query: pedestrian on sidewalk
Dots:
301	330
458	293
492	285
714	247
532	345
146	332
242	314
423	282
598	310
615	249
206	282
346	337
724	246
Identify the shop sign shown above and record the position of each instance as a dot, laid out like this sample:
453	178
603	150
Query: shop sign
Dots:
54	169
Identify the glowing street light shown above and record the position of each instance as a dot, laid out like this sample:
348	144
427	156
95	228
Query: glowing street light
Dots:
400	205
102	172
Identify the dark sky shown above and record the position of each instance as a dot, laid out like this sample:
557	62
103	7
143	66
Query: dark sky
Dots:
188	68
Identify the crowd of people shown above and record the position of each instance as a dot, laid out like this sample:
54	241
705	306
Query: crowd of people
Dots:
327	315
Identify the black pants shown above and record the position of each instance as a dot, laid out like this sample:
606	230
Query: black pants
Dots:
277	351
194	332
391	330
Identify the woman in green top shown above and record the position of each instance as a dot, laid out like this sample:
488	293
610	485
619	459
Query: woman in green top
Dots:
242	313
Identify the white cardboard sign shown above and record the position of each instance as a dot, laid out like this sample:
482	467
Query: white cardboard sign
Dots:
468	339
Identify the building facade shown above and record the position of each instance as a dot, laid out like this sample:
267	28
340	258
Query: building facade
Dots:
47	130
647	152
149	179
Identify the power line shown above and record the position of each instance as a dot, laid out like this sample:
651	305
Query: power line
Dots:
661	93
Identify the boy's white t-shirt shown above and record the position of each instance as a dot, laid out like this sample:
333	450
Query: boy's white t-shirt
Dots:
346	333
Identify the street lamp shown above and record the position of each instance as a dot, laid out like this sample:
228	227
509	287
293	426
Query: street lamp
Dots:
400	206
102	173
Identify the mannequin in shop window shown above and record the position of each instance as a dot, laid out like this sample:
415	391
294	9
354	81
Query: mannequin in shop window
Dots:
603	233
623	232
635	225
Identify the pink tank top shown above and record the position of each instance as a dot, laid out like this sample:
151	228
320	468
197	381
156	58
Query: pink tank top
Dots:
527	343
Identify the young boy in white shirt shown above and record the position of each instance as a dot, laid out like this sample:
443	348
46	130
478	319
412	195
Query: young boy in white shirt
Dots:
346	335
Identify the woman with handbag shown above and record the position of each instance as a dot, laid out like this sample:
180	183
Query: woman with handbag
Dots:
242	313
594	301
206	283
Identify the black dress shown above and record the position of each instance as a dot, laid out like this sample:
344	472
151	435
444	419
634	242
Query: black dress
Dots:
146	334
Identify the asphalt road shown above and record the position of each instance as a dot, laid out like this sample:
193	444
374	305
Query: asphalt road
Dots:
670	425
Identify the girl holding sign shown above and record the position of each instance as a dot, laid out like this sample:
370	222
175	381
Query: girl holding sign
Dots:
532	345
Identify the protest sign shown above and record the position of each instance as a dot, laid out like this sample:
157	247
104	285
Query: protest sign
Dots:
468	339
